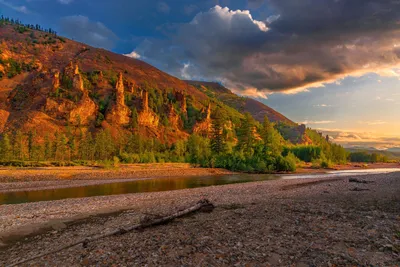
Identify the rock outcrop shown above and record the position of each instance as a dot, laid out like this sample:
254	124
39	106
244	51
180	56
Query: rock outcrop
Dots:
69	70
77	81
4	115
147	117
56	80
84	112
86	109
119	113
181	98
174	118
204	128
80	113
58	108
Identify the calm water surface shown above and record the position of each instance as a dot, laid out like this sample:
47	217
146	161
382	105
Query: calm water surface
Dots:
160	184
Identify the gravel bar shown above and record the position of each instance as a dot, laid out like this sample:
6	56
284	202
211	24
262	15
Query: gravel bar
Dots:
299	222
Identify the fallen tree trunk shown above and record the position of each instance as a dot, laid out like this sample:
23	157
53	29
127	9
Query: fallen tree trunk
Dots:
203	205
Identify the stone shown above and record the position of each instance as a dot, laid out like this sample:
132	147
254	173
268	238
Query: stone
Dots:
4	115
119	112
84	112
173	117
147	117
56	80
204	128
181	97
77	80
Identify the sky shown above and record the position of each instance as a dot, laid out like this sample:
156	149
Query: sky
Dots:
333	65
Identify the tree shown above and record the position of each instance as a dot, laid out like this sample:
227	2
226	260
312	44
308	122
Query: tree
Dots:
5	147
104	145
134	119
179	148
199	150
47	148
271	137
18	146
246	133
86	147
31	144
218	144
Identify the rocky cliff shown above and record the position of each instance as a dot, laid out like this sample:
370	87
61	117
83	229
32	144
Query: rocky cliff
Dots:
119	113
147	117
204	127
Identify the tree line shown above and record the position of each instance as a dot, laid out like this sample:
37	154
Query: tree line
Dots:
251	147
21	27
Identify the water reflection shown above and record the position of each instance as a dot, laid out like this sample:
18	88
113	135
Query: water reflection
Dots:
139	186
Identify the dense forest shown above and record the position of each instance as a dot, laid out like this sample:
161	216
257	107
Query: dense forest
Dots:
254	148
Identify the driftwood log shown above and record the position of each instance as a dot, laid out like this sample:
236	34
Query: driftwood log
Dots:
202	205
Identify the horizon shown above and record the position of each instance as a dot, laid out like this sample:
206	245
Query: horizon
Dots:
346	87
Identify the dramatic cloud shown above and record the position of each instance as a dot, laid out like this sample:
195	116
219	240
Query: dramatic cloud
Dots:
93	33
301	44
21	9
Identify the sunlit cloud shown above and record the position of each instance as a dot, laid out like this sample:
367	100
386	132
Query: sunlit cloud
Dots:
133	54
285	52
351	138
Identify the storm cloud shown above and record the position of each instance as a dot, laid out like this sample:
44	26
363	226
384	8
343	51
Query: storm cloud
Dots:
299	45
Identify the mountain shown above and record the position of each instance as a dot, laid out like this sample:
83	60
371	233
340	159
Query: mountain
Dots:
290	130
50	84
243	104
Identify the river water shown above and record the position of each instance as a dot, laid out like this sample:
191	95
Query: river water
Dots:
161	184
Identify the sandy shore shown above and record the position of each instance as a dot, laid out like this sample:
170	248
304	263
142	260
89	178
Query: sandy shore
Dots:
313	222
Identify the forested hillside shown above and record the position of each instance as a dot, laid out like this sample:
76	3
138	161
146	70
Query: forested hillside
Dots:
64	101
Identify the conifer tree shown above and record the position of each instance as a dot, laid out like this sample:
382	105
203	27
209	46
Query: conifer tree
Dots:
5	147
47	148
246	133
19	145
134	119
271	137
218	144
31	144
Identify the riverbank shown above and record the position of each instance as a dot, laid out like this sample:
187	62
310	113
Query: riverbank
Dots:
301	222
24	179
28	179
